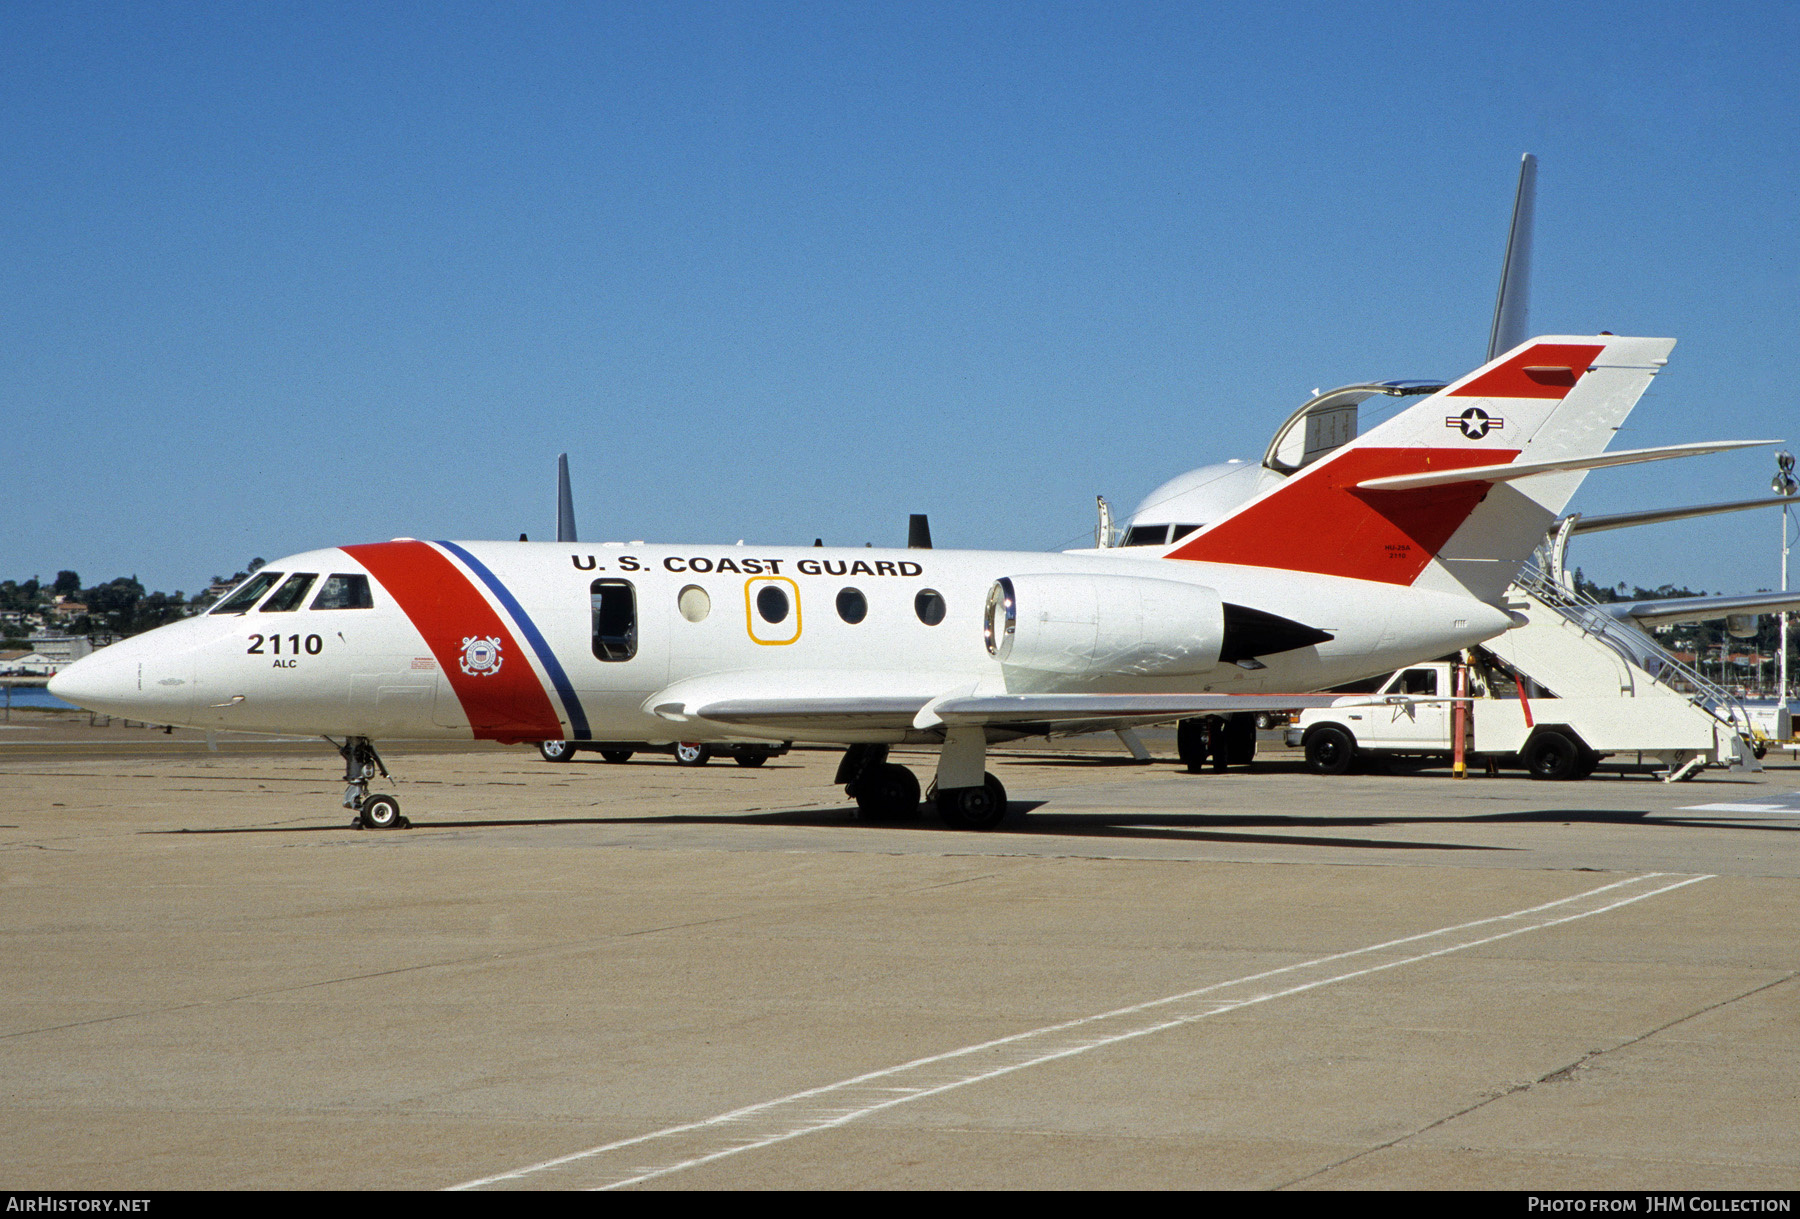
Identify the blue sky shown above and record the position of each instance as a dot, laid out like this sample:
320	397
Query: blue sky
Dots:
277	277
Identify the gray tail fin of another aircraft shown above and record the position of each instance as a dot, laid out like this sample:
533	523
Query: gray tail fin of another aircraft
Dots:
1512	308
565	502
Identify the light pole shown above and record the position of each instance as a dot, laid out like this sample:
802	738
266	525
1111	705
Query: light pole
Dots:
1783	484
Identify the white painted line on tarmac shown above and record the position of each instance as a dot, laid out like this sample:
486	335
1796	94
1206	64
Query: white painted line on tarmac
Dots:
646	1157
1781	802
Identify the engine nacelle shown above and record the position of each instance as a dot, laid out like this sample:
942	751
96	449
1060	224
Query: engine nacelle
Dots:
1104	625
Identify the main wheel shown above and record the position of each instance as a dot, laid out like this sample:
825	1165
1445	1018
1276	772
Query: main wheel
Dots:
973	808
890	793
1552	755
1191	743
380	812
616	756
1329	750
556	751
692	753
1240	739
750	757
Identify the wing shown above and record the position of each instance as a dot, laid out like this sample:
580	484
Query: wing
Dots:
1022	714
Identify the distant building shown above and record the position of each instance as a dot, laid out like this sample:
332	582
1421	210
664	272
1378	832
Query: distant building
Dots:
55	651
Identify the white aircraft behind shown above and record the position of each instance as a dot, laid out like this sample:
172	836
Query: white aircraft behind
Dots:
1385	551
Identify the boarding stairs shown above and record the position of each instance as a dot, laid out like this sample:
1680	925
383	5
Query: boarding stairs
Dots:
1572	647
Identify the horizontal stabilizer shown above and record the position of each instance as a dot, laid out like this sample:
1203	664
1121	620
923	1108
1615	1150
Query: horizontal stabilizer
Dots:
1525	469
1659	516
1701	609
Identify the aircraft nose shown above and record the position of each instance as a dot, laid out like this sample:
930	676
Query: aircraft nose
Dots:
128	680
102	681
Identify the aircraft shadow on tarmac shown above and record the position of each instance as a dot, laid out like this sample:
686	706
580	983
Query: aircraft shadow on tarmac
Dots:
1137	826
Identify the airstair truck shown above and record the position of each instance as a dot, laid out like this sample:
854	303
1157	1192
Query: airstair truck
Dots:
1555	696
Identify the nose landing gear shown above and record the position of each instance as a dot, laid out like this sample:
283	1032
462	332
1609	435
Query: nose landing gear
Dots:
361	763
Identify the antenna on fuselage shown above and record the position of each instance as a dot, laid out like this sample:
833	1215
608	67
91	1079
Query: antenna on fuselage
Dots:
1512	307
918	532
565	502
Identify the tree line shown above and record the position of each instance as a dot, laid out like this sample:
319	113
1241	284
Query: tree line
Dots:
121	606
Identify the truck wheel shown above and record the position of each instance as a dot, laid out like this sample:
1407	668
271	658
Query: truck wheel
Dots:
1329	750
1552	755
692	753
555	751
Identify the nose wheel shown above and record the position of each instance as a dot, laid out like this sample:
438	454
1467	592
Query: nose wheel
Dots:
361	764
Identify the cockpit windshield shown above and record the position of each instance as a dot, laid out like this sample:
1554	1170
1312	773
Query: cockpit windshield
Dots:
248	593
288	597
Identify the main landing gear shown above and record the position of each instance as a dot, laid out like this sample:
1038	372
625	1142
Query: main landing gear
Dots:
883	791
1228	740
966	796
361	763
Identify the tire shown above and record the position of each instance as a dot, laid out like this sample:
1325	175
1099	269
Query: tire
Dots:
891	793
1329	750
380	812
1191	743
1553	756
1240	739
974	808
556	751
750	757
616	756
692	753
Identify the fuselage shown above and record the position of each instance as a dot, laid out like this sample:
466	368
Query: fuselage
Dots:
540	641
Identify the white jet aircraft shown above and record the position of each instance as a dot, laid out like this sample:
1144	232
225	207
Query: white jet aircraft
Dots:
1387	550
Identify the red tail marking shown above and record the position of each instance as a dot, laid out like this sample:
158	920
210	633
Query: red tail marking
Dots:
506	704
1548	370
1319	522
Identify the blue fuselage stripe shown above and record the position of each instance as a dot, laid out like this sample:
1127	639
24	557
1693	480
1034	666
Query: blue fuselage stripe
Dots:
578	725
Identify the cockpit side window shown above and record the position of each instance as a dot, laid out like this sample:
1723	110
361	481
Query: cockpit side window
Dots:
344	590
248	593
615	619
1146	535
288	597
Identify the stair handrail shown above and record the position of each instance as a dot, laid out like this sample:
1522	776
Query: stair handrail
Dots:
1590	615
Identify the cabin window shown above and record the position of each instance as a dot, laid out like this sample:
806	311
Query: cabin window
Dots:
852	606
248	593
772	603
929	606
344	590
289	596
694	602
615	619
1146	535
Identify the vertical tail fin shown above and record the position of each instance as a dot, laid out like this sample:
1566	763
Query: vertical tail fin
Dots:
1552	398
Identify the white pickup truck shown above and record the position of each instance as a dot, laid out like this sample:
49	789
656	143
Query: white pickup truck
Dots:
1409	715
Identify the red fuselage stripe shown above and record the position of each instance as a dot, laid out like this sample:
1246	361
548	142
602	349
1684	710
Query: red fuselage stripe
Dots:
1320	522
503	703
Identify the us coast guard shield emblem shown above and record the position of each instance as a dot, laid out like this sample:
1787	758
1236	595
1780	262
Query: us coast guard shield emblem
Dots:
481	657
